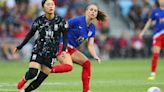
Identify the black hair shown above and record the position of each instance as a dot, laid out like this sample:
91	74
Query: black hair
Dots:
43	1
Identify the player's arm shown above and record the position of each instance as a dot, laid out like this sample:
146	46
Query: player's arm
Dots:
148	24
65	35
28	37
73	22
64	30
91	49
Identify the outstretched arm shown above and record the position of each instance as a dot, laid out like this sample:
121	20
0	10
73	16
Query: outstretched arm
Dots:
28	36
149	22
91	49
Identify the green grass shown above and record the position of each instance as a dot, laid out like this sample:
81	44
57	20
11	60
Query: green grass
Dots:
118	75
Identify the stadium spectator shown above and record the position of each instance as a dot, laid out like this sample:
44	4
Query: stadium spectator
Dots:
135	14
81	28
137	48
123	45
50	27
7	43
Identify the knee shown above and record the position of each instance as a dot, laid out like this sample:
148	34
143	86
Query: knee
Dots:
32	73
86	64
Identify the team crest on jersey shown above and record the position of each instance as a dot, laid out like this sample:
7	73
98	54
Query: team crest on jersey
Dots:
89	33
56	27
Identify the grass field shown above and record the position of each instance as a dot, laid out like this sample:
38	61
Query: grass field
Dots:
118	75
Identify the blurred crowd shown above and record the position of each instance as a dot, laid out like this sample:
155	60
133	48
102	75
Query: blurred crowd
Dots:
17	16
134	14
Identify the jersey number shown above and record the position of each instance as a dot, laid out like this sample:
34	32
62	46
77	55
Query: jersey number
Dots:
49	34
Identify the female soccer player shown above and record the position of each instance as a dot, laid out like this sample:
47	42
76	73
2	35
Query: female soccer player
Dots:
50	27
158	36
80	29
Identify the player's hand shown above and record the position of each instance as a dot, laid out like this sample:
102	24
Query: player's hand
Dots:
141	35
98	59
63	54
16	50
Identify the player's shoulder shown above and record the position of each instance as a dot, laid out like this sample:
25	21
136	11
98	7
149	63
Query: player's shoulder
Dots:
59	19
77	18
93	25
156	9
39	19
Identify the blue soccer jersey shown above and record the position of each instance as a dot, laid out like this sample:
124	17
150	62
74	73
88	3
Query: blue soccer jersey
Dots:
158	16
79	31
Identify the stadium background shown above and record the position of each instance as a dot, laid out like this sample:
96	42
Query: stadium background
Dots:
125	58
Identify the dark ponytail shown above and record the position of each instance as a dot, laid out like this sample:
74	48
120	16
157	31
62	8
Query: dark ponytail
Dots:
157	3
101	16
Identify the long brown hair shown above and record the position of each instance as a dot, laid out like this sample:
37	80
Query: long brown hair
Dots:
101	16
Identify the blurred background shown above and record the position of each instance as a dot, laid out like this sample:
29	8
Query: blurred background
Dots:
125	58
115	38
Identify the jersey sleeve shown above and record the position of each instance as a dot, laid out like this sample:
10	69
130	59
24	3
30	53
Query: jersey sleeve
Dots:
93	31
64	29
72	22
152	16
29	35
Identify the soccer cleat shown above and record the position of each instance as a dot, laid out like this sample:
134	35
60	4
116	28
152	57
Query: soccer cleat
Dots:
89	91
151	78
21	83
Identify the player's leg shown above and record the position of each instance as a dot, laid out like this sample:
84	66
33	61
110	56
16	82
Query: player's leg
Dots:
30	74
82	60
66	64
42	75
155	55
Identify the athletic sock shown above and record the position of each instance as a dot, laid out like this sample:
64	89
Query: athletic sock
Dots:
86	74
61	68
37	82
154	62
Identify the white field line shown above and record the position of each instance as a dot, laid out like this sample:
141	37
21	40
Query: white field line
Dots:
78	83
7	87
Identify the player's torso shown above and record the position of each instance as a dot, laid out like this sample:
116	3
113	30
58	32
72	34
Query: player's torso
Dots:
48	39
159	18
79	33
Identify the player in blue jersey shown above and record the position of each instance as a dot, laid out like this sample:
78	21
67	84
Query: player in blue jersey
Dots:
158	37
80	29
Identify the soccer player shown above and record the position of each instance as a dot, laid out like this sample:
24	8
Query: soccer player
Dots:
80	29
158	36
50	28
